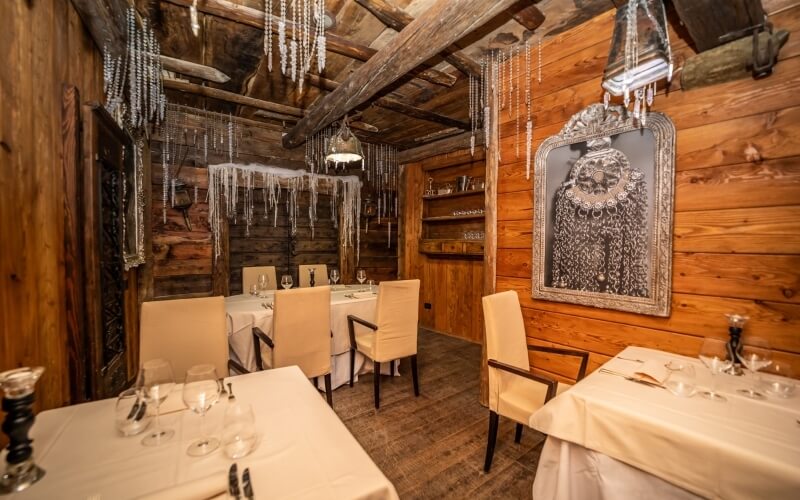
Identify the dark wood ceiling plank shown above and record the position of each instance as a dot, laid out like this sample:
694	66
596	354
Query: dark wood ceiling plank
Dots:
708	21
527	15
189	68
448	145
231	97
105	20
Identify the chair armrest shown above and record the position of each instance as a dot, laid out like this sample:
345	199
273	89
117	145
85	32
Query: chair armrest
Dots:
552	385
566	352
258	337
351	320
233	365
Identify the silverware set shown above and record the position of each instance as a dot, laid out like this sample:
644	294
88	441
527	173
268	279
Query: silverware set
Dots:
233	483
267	305
629	378
629	359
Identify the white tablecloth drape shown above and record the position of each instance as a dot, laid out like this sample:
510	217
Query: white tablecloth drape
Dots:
741	448
305	451
246	312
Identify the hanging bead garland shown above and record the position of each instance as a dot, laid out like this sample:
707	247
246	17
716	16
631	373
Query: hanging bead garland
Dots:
306	40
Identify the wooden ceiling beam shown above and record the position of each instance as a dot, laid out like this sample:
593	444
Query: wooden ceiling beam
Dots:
189	68
397	19
442	146
241	14
445	22
527	14
105	20
224	95
394	105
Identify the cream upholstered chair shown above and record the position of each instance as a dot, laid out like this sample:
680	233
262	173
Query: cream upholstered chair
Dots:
320	275
186	332
394	334
514	392
250	277
301	333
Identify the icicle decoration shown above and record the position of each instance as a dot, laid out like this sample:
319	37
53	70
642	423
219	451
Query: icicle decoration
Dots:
268	33
528	107
305	41
195	23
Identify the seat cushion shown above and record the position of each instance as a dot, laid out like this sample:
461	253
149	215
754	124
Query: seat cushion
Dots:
365	344
520	397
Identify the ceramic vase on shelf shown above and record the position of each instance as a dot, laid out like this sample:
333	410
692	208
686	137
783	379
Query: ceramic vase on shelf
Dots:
18	396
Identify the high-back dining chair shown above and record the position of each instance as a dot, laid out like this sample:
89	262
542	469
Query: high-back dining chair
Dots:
514	392
320	275
393	335
250	277
186	332
301	333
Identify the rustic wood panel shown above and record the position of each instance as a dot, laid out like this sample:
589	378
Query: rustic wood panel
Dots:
44	45
737	240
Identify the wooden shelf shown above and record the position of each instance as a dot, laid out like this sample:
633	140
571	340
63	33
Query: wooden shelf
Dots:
453	195
447	218
471	248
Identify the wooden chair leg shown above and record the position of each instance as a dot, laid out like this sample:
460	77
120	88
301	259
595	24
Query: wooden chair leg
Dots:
377	375
518	434
352	365
493	421
328	390
316	383
414	375
391	368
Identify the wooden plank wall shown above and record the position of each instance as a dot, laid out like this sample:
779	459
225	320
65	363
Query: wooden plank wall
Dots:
43	47
452	285
737	204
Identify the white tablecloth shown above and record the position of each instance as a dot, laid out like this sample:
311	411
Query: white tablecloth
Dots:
305	451
246	312
741	448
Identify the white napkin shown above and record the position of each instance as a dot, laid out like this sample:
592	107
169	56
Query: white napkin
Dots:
653	371
199	489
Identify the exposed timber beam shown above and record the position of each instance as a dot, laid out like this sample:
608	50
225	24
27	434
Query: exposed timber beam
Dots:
224	95
105	20
397	19
193	69
445	22
442	146
226	9
526	14
394	105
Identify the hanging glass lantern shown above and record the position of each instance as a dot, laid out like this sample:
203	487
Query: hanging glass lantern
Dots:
640	52
344	147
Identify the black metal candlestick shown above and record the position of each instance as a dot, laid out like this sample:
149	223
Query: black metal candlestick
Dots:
311	278
21	472
735	326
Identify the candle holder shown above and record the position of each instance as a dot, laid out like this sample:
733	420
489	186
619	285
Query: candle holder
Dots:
735	326
18	396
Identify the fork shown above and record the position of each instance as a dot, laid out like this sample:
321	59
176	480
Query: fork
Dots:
628	377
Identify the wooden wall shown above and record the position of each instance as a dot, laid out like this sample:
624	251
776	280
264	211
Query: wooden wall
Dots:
737	204
43	46
451	285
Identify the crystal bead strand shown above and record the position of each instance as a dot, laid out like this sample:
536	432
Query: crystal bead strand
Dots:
268	32
282	36
517	112
528	106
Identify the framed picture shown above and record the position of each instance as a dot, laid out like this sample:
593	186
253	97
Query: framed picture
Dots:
133	201
602	226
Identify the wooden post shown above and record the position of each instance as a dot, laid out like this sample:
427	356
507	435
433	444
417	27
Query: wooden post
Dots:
490	241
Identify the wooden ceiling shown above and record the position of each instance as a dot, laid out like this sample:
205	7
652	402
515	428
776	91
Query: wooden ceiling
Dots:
236	48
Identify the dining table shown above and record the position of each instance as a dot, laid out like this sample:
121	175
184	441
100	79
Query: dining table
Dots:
248	311
610	436
304	451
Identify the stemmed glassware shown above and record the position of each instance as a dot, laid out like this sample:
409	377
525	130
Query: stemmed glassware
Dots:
681	380
286	281
200	393
361	276
156	382
778	379
755	355
239	433
263	285
714	354
334	276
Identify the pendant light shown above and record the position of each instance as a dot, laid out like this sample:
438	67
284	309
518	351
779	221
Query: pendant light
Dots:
640	53
344	147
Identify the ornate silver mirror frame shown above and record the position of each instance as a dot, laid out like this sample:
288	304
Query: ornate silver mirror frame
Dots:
133	201
602	225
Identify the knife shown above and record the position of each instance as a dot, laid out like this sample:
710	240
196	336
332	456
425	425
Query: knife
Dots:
246	485
233	482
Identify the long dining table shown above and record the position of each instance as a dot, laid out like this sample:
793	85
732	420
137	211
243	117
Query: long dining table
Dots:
247	311
611	437
304	450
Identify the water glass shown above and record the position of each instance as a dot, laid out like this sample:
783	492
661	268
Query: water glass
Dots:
156	382
239	431
714	354
286	281
131	412
681	381
263	285
777	379
254	289
335	276
201	392
371	284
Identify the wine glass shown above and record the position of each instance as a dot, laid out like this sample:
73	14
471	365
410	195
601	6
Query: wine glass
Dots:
156	382
778	379
714	354
263	285
755	355
361	276
131	412
286	281
681	381
200	393
335	276
239	432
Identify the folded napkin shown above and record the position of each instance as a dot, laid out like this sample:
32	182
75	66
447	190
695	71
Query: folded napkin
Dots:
364	295
653	371
213	486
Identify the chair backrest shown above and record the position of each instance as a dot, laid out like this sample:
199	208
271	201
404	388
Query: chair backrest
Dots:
250	277
320	275
301	330
186	332
505	336
397	317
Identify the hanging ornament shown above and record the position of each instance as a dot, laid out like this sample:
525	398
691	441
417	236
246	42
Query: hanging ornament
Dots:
528	108
193	18
268	33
